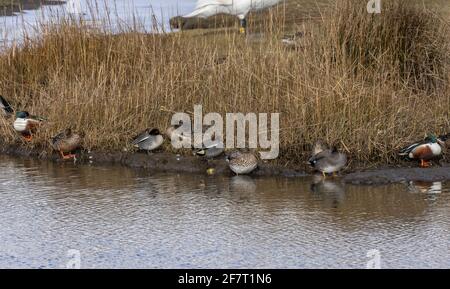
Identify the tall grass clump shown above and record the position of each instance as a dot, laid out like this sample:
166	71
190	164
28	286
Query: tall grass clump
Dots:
405	39
367	83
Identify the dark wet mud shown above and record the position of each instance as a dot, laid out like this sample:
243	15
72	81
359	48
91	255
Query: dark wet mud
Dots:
175	163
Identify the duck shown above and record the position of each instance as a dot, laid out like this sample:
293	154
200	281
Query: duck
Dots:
148	140
73	7
239	8
327	161
242	163
173	132
66	142
424	187
424	151
210	151
26	124
6	107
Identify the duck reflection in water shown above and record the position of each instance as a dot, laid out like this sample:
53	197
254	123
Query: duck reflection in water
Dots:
331	190
425	187
242	184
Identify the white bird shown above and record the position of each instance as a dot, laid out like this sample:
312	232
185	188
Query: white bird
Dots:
73	7
239	8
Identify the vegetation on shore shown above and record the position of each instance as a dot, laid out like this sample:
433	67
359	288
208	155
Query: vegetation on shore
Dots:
367	83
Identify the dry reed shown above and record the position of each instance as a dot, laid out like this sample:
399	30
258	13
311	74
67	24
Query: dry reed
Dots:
368	83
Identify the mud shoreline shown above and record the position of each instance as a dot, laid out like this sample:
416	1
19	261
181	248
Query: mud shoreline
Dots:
174	163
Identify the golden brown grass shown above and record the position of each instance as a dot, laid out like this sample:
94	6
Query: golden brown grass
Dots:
368	83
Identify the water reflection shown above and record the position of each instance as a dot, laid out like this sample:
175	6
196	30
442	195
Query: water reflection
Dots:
425	187
120	217
330	189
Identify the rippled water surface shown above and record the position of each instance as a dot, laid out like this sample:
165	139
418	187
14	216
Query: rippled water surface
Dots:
117	217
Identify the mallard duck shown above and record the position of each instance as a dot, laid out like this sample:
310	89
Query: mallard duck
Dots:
328	161
426	150
66	142
211	151
6	107
242	163
148	140
26	124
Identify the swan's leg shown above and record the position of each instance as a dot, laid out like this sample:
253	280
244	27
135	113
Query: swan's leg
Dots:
243	26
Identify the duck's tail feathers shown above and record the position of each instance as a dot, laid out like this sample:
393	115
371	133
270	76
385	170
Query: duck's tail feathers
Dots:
444	137
38	118
6	106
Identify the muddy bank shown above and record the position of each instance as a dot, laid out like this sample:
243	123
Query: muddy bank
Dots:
175	163
397	175
158	161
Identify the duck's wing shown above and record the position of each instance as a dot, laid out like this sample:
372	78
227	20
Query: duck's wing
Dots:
5	106
206	8
338	159
204	3
406	150
315	158
60	136
215	144
140	138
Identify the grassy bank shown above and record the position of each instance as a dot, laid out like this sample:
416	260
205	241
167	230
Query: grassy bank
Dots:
368	83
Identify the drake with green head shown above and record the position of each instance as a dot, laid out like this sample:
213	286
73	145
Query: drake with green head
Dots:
426	150
27	124
66	142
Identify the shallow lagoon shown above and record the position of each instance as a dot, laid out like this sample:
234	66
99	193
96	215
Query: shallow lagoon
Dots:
117	217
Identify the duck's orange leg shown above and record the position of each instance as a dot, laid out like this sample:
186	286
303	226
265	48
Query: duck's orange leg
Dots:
425	164
66	157
71	156
28	137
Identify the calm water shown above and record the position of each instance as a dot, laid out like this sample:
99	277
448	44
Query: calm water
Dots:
107	13
116	217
